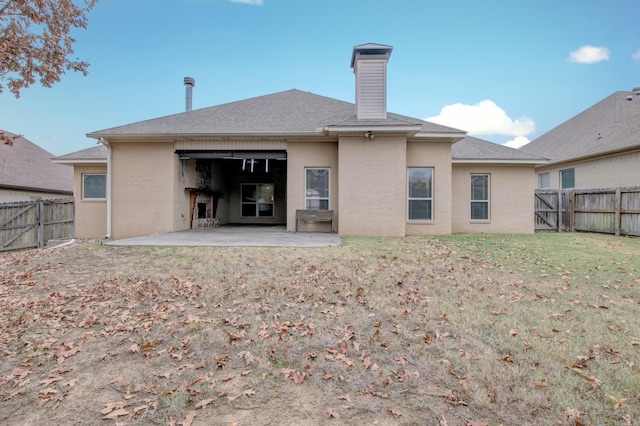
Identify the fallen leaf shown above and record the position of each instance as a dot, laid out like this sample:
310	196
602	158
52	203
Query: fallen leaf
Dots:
204	403
188	418
618	402
542	384
115	414
249	392
393	413
333	414
47	382
140	408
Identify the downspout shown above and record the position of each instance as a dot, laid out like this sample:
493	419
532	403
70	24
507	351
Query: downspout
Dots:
104	142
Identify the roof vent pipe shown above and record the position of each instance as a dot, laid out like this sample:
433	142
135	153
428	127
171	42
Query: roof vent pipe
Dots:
636	91
189	82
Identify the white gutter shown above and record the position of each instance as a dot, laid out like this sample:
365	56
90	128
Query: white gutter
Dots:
104	142
499	161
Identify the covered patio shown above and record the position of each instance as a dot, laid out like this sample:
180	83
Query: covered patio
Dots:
235	236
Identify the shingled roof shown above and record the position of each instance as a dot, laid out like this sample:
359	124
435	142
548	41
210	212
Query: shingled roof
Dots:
611	125
472	149
26	166
95	155
292	112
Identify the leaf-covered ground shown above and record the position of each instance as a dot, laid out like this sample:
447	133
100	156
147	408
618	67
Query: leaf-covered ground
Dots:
456	330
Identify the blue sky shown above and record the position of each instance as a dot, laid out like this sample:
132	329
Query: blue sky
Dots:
500	69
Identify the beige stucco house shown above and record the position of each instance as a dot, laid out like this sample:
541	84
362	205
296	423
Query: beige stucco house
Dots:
598	148
380	173
27	172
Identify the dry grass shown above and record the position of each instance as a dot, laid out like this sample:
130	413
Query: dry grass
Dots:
457	330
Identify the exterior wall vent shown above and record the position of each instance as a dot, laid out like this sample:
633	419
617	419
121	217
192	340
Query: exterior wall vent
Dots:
369	63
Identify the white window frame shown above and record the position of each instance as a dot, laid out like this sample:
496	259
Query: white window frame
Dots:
309	197
410	198
540	183
562	172
486	201
84	186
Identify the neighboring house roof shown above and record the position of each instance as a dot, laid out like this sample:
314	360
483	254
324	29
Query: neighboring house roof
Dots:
95	155
474	150
26	166
292	112
611	125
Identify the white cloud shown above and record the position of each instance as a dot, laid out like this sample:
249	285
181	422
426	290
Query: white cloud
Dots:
484	118
636	56
589	55
251	2
517	142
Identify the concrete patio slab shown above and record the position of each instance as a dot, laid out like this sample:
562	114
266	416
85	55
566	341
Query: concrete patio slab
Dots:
235	236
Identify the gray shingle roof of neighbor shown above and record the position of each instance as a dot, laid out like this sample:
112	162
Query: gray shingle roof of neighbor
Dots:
26	166
471	148
89	155
613	124
289	112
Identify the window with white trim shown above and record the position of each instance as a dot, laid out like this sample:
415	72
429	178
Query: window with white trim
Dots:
544	180
316	194
94	186
480	196
568	178
420	193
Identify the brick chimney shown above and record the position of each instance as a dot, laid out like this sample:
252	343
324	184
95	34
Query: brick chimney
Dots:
369	63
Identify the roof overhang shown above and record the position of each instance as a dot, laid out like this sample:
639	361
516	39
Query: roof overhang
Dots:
409	130
72	161
36	189
186	154
498	161
591	157
171	137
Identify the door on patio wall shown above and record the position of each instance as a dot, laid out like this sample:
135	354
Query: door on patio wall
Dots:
257	200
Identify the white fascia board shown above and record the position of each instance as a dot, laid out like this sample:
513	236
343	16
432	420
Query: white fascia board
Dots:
492	161
372	128
81	161
456	136
170	137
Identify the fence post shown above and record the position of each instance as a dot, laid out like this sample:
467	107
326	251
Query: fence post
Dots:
40	218
560	212
618	208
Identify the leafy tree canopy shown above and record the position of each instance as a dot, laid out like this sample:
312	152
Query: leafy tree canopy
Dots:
35	41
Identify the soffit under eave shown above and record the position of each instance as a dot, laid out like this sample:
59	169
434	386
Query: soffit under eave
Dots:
438	137
249	137
496	162
586	158
81	162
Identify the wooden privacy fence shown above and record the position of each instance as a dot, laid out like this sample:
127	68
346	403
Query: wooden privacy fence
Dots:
609	211
31	224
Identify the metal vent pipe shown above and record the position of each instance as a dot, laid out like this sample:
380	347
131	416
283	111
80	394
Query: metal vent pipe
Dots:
189	82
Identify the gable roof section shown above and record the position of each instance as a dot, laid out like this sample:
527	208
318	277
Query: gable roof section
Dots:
26	166
288	113
95	155
611	125
474	150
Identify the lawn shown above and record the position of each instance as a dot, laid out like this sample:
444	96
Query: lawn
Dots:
457	330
